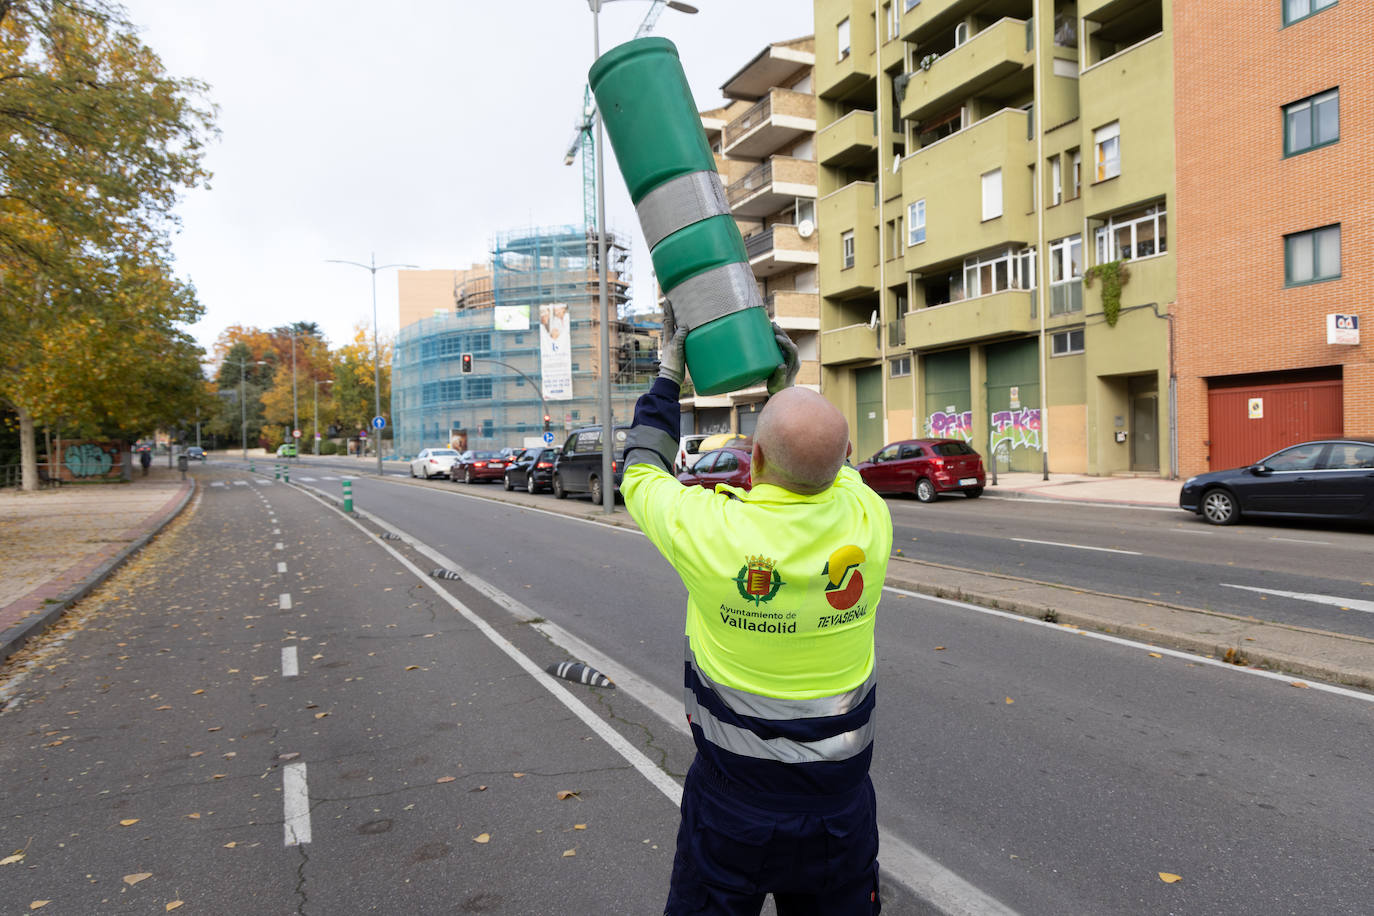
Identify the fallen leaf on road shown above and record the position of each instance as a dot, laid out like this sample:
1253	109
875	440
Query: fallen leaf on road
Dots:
10	860
479	789
565	794
316	657
412	667
172	906
939	648
231	844
129	822
446	779
579	826
1010	701
1155	655
219	776
1290	683
194	815
39	904
161	708
131	880
196	753
569	852
1169	878
214	728
321	715
290	755
518	775
482	838
198	692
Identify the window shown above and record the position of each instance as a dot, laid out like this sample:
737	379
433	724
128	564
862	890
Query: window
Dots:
1312	122
806	211
899	367
479	388
1066	343
847	247
911	3
1076	179
916	222
1349	456
1298	458
1066	267
1293	10
1056	182
992	194
1312	256
960	34
894	20
995	273
1138	234
842	33
1107	146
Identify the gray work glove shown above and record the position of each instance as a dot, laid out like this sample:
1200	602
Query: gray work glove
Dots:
672	359
785	376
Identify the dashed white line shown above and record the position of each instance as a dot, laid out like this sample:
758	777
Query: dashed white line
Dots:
284	601
281	568
276	531
307	479
1354	604
279	546
1133	553
296	804
290	664
1299	541
217	483
240	483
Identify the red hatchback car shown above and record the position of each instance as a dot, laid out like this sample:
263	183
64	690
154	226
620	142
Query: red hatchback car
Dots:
925	467
722	465
472	466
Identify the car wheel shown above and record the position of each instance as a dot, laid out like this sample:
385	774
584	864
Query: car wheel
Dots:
558	491
467	475
925	490
1219	507
412	471
973	492
506	480
530	486
595	486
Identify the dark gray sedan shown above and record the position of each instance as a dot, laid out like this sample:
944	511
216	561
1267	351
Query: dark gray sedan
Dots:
1325	479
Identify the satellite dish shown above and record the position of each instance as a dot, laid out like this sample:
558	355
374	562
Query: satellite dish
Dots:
806	228
873	321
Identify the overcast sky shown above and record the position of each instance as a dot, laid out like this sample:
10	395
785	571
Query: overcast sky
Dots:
415	129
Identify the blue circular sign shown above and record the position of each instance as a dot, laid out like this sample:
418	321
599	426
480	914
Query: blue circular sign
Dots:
548	438
379	422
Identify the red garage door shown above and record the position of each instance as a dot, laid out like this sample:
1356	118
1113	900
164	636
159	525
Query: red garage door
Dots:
1287	413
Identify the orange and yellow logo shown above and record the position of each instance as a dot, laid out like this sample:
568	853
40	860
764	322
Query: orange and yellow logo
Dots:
846	583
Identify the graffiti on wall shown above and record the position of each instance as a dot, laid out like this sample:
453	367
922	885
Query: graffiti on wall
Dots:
951	425
1013	429
87	459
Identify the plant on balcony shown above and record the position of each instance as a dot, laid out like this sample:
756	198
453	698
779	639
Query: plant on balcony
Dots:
1114	274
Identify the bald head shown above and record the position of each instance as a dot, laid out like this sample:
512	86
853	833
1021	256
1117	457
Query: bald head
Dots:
800	442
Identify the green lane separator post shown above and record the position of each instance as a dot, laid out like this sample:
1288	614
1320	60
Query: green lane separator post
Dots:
277	467
286	473
348	496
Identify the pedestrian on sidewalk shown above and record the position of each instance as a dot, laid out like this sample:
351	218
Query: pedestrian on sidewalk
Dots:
783	582
145	458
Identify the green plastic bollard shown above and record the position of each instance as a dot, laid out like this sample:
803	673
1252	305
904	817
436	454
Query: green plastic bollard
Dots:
698	254
348	495
286	473
277	467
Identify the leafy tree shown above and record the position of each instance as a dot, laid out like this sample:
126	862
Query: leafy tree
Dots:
354	382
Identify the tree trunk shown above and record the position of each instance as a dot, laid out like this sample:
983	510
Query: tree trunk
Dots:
28	456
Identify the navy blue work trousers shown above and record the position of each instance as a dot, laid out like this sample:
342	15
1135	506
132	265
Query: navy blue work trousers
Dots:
734	847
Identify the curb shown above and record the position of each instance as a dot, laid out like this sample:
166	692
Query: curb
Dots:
1000	493
16	636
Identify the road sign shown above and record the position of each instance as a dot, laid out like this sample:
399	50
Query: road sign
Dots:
548	438
379	422
295	433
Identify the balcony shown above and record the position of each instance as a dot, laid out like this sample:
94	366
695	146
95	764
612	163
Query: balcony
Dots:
853	344
780	248
994	64
781	117
850	209
925	18
838	75
852	140
792	309
896	334
767	188
1005	314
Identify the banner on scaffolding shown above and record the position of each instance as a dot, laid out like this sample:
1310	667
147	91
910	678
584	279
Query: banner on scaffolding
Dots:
511	317
555	351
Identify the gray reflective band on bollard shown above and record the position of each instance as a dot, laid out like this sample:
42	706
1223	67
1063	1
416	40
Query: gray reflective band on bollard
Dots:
582	674
678	203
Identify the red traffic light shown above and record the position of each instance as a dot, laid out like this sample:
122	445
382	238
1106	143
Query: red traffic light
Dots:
467	362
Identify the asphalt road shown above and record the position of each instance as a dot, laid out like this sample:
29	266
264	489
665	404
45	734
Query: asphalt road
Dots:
1051	772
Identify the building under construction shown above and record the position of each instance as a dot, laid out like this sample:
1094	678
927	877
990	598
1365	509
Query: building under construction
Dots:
496	318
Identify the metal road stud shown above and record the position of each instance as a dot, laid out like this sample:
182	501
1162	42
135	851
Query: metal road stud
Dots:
348	495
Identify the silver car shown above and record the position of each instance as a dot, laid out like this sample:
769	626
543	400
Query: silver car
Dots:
433	462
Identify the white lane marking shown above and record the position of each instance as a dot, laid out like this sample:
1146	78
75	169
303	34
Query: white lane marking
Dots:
1133	553
276	531
911	868
1120	641
281	567
1298	540
284	601
1354	604
217	483
240	483
296	804
329	478
290	664
309	479
279	546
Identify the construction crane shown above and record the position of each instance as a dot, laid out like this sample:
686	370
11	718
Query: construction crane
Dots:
582	128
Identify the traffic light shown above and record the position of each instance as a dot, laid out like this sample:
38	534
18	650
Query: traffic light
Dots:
548	422
467	363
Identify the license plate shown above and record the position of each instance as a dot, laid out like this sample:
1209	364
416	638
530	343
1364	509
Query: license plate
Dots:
968	481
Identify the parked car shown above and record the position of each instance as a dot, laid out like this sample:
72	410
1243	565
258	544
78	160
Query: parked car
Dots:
578	467
433	462
926	467
195	453
1325	479
286	450
688	450
724	465
533	470
474	465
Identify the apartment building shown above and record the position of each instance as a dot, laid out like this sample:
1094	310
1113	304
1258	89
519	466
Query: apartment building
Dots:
994	188
764	145
1275	228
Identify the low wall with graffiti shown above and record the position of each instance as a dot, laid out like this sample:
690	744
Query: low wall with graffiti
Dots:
91	461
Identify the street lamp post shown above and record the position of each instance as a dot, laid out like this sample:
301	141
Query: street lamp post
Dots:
607	421
243	403
373	267
295	417
315	431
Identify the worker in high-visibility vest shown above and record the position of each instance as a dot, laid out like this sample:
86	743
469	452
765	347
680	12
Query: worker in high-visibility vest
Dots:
783	582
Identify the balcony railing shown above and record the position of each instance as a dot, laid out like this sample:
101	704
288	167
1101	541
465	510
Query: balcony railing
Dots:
896	333
759	243
746	122
758	177
1066	297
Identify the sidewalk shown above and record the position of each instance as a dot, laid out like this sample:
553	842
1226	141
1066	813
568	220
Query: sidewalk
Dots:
58	544
1134	491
